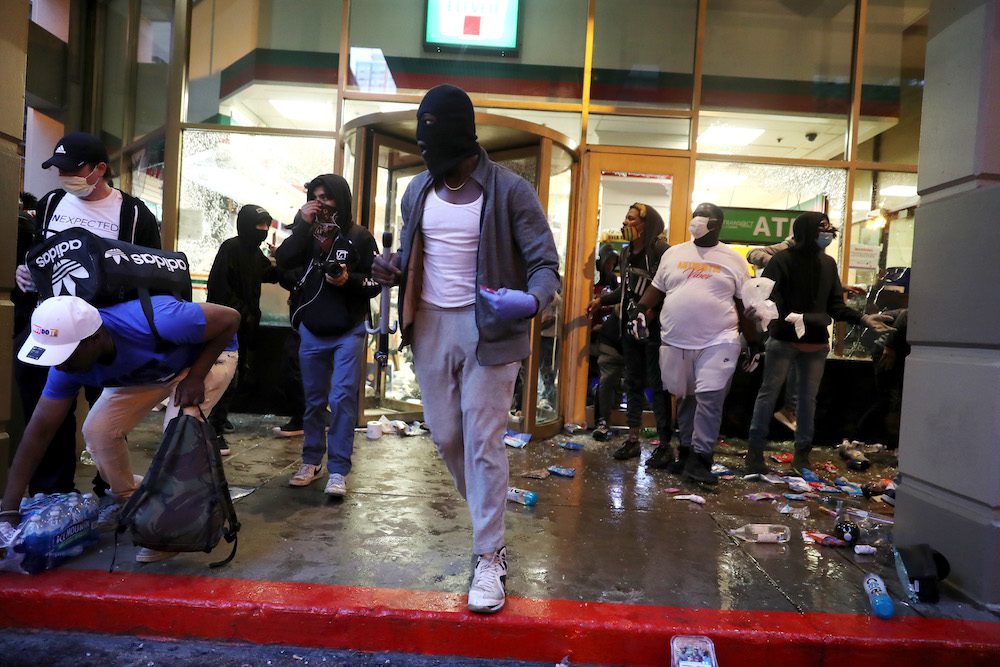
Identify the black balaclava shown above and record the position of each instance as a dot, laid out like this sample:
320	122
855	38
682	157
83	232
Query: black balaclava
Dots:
452	137
247	220
804	267
605	273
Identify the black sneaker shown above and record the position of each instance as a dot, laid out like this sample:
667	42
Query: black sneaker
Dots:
602	433
629	450
662	457
800	461
699	468
227	427
754	462
222	445
677	467
290	430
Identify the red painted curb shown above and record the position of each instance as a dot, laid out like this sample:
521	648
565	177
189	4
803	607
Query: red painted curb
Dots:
377	619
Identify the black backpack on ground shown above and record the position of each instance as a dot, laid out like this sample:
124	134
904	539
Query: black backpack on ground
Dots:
183	503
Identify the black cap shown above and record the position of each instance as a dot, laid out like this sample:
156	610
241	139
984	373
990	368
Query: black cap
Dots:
75	150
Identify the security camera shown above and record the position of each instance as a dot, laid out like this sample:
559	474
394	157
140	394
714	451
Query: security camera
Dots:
811	136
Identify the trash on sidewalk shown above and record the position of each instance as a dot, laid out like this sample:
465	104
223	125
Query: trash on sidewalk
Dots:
696	499
761	496
783	457
672	489
515	439
562	472
800	513
762	533
541	473
815	537
878	597
573	429
386	424
856	460
569	444
416	428
373	431
237	492
864	549
521	496
692	651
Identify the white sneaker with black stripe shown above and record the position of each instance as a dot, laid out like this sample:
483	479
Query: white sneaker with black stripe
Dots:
487	593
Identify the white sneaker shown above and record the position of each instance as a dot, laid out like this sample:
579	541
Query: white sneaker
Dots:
144	555
336	486
306	475
487	594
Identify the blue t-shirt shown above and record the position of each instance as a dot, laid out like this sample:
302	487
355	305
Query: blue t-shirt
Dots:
137	361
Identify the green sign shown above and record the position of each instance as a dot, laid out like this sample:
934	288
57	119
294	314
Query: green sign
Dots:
761	226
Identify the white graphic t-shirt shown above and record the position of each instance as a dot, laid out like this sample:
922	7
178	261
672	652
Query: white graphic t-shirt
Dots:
700	286
101	217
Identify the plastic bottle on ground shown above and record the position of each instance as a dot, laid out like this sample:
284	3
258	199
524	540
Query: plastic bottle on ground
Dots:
528	498
763	533
878	597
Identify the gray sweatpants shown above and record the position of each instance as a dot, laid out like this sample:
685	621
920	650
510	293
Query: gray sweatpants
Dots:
466	406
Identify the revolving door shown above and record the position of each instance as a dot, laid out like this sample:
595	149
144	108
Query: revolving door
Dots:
381	158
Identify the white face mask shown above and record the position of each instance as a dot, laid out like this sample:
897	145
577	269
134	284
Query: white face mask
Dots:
698	226
78	185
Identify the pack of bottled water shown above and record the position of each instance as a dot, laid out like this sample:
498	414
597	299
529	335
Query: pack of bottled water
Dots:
54	528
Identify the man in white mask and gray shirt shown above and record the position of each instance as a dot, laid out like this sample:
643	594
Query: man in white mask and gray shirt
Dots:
86	201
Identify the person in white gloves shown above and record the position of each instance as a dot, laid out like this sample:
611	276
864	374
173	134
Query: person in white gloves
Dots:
809	296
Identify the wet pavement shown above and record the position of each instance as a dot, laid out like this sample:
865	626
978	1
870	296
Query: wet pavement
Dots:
613	533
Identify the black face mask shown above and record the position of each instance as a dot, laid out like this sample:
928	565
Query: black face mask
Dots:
451	137
259	235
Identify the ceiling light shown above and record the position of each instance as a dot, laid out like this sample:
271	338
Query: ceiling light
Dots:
898	191
305	111
727	135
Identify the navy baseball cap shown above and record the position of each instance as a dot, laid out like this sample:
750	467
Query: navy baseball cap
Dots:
75	150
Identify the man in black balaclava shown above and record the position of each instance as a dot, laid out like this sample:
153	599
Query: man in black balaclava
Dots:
476	262
809	296
237	273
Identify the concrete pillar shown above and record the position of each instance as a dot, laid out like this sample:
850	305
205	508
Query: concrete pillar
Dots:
13	57
950	438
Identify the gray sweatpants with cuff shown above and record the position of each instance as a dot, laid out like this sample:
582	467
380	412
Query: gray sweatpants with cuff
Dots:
466	407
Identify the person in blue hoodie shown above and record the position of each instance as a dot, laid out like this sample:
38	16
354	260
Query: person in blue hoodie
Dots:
328	260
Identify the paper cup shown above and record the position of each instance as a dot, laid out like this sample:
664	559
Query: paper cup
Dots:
374	431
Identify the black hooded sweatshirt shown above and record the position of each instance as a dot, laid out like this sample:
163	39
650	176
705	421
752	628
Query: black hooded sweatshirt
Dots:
638	269
238	271
806	280
327	310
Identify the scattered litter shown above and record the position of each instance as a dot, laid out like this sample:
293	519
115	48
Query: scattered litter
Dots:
773	479
541	473
783	457
573	429
515	439
824	488
864	549
719	469
413	429
762	533
386	425
794	496
760	496
571	445
562	472
809	475
398	426
672	489
799	486
814	537
753	477
691	651
800	513
828	467
698	500
237	492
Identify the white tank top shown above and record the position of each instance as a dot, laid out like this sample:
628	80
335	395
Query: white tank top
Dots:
451	246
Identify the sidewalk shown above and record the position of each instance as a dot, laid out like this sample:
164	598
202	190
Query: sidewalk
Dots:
605	569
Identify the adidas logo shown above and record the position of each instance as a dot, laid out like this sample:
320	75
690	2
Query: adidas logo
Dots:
117	255
60	149
65	273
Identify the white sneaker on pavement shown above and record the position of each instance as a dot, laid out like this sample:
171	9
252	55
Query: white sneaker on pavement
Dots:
487	593
306	475
336	486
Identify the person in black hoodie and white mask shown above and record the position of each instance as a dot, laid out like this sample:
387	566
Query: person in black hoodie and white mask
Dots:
809	296
330	259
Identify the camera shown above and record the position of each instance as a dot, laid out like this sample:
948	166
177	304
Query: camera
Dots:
333	268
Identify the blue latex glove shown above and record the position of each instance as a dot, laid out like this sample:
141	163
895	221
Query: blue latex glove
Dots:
510	304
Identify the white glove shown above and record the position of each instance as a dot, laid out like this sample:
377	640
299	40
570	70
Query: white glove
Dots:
797	321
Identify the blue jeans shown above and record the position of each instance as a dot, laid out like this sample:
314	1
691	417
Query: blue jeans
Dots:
809	367
331	373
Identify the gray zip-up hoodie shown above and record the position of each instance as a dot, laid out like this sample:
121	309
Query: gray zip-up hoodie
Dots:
516	251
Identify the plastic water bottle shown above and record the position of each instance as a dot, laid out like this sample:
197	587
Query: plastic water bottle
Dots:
528	498
35	545
878	597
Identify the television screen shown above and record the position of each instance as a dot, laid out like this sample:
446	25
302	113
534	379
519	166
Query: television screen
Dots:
490	26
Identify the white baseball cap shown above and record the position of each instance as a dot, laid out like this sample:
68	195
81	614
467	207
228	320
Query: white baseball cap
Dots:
57	327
